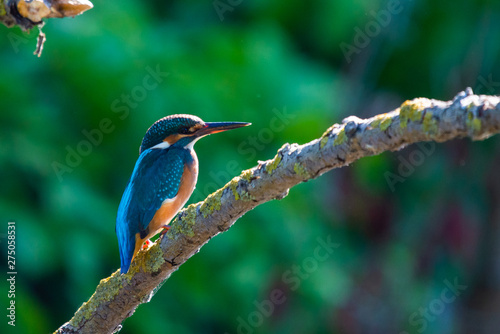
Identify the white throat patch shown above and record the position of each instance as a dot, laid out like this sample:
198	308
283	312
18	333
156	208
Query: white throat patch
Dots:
162	145
191	144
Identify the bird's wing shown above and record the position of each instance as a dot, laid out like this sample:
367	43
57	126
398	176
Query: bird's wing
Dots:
156	177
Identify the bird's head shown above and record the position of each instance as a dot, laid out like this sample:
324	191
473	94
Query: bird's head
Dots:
183	131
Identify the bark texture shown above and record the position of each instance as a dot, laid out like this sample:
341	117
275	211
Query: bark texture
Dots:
117	297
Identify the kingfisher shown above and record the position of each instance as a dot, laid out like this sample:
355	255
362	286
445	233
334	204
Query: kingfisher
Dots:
163	179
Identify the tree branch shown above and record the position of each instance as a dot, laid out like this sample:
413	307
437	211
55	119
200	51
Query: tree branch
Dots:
28	14
117	296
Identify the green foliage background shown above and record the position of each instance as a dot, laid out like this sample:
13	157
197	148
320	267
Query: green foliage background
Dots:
277	64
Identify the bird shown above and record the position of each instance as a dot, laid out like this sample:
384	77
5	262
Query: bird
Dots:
162	181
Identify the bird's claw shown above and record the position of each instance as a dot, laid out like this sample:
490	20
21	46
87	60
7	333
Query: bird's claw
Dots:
146	244
165	230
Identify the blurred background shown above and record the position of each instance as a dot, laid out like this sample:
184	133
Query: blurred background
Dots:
404	242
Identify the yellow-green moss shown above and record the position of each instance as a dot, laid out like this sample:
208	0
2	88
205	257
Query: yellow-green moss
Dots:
473	123
2	8
247	175
375	123
270	167
211	203
153	259
323	141
429	123
383	121
325	136
386	122
233	185
149	260
476	124
107	289
412	110
340	138
240	193
301	171
245	196
185	225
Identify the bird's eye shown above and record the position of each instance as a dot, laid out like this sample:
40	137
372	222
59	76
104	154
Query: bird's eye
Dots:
185	131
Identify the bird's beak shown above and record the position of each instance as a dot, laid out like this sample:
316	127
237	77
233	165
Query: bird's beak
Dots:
214	127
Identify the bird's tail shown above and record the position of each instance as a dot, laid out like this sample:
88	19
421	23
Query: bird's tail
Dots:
126	243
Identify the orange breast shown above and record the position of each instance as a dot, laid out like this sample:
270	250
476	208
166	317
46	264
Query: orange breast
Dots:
169	208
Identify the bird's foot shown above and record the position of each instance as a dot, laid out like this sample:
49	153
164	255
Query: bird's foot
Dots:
165	230
146	244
